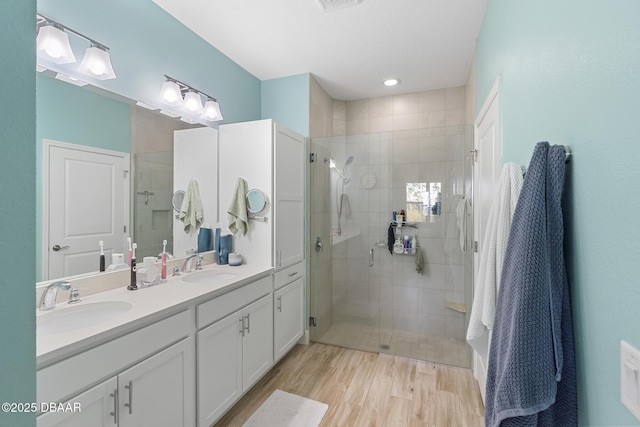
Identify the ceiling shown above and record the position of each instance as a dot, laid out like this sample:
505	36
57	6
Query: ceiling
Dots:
427	44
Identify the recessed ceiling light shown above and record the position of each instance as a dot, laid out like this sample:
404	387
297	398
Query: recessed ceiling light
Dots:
391	82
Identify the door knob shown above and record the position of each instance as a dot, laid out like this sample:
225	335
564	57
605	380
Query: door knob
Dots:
59	248
319	246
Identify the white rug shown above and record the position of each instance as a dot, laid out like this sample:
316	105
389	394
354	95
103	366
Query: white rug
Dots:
284	409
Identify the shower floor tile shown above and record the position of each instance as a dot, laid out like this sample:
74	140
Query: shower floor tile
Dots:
448	351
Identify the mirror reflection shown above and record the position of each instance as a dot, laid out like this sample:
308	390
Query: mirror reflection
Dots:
87	119
256	201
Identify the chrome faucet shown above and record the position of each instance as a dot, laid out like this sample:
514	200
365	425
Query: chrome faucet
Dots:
186	266
48	300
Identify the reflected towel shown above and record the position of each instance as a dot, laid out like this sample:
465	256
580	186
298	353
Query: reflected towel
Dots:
419	261
191	209
238	216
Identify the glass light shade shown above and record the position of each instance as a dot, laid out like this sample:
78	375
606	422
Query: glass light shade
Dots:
192	103
53	44
170	94
212	111
97	63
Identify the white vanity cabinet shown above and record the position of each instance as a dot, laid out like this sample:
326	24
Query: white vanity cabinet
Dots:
236	351
158	390
288	185
288	309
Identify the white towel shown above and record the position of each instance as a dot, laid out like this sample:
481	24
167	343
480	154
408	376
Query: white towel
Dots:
491	259
191	209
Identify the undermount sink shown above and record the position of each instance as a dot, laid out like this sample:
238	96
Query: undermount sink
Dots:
208	276
66	319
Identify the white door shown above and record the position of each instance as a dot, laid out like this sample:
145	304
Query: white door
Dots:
257	345
95	407
160	391
86	193
219	367
486	172
289	194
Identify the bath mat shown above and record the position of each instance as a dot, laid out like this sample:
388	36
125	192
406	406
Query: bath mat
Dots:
284	409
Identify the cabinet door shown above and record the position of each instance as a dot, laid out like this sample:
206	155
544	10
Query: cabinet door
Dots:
160	391
288	317
97	408
257	344
219	367
289	184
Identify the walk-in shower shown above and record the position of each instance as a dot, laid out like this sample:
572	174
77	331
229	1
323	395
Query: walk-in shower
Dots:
361	295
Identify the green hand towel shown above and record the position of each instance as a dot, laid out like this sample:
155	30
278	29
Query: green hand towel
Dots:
238	217
419	261
191	209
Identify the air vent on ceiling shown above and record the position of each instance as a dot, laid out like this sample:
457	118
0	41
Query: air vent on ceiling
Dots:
327	5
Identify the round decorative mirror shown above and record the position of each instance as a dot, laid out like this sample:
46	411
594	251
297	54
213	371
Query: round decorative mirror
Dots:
256	201
177	199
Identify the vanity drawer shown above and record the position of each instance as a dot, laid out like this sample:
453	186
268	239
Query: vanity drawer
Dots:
288	275
218	307
78	372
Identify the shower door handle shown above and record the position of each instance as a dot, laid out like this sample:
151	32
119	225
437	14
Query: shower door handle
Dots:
371	258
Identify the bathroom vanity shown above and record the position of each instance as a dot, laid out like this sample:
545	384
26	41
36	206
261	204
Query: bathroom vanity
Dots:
181	355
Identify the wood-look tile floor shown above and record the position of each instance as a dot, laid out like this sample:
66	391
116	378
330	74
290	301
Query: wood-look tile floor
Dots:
369	389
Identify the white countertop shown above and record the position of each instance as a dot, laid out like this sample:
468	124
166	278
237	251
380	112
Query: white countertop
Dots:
148	306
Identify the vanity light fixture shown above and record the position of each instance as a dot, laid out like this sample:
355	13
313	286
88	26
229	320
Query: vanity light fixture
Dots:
212	110
193	103
52	45
97	63
175	93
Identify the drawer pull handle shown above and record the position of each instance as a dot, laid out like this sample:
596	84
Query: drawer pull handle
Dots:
293	274
241	320
248	327
114	414
130	404
279	305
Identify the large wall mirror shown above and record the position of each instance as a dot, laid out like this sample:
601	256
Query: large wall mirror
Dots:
104	123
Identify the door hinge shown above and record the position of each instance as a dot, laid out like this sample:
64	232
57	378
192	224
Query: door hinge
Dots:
312	157
313	321
125	228
475	246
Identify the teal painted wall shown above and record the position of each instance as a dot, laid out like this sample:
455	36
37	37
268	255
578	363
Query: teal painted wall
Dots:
570	74
146	43
17	209
69	113
286	100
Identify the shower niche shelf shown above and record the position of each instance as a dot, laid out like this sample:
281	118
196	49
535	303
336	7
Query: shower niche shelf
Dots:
460	308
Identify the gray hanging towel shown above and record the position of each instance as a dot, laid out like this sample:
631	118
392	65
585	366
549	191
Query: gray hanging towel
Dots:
531	378
390	239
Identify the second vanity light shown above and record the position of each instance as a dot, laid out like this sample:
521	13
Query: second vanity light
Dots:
188	99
